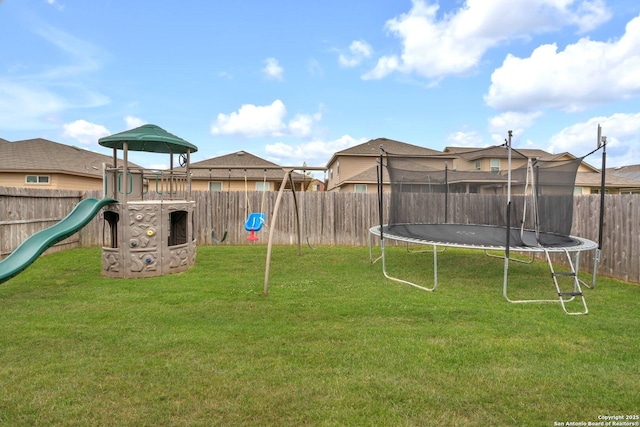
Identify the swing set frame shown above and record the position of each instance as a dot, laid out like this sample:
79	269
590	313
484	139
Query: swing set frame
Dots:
287	178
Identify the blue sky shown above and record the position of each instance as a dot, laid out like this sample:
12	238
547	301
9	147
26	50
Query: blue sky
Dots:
296	81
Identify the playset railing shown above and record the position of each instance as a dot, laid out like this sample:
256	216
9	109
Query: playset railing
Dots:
137	184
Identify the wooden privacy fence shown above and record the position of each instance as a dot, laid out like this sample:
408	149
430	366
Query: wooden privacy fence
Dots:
24	212
326	219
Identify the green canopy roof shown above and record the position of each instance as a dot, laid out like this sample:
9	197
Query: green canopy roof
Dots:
150	138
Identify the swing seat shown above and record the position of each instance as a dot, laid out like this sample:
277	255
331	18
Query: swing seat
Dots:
254	223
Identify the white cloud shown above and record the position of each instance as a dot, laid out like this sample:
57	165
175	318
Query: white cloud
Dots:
314	153
269	120
501	124
435	45
133	122
385	66
272	69
300	125
251	120
358	51
465	139
623	138
84	131
583	74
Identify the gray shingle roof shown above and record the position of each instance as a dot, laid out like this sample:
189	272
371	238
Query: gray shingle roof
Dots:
370	176
629	172
42	155
372	148
499	152
594	179
238	160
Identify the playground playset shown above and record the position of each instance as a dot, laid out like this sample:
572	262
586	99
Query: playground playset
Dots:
148	215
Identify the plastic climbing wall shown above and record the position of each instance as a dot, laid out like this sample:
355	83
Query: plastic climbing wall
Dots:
148	238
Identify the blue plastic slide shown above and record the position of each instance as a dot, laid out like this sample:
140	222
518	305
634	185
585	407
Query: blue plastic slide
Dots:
35	245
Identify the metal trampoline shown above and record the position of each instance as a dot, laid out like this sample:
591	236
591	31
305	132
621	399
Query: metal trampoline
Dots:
537	218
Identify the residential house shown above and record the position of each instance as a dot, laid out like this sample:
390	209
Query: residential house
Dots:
492	159
40	163
631	172
495	161
241	171
355	169
471	169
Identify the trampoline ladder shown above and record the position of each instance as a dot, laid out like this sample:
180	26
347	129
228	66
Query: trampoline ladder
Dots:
565	296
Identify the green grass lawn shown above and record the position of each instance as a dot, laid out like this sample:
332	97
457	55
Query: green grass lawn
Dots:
334	343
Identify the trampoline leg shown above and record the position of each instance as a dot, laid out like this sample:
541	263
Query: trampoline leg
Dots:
406	282
596	261
371	260
435	267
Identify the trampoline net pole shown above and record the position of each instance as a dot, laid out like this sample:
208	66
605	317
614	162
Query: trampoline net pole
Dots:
601	140
446	193
508	200
380	176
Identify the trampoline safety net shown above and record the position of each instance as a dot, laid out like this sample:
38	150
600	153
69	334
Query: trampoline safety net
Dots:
426	191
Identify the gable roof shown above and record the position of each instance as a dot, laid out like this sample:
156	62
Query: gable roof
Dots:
499	151
629	172
371	148
230	166
368	176
594	179
455	177
44	156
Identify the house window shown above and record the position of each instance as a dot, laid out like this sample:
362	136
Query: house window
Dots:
577	190
215	186
37	179
338	168
495	165
263	186
360	188
597	191
478	165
